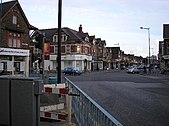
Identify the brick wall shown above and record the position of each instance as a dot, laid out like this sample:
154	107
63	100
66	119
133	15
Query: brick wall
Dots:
8	26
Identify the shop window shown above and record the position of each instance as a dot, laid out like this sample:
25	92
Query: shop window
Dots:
46	57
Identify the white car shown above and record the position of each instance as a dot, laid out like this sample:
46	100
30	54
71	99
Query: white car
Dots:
132	70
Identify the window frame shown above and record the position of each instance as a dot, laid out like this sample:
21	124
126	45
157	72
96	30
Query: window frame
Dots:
14	40
15	20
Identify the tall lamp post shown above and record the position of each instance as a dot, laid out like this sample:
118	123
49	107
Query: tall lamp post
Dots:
59	40
148	29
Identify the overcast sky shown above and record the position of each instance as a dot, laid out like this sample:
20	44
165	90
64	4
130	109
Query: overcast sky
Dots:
115	21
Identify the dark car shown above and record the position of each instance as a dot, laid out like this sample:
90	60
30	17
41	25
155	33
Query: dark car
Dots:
142	68
72	71
52	80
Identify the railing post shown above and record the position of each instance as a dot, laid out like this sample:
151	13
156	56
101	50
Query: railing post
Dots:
70	107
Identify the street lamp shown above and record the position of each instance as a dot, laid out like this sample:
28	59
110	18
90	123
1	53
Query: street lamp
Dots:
148	29
59	40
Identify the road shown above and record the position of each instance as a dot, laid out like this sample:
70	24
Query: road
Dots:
133	99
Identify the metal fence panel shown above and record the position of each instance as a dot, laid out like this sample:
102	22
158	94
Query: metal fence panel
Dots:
87	112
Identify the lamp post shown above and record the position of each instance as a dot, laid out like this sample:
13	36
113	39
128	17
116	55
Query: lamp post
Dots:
59	40
148	29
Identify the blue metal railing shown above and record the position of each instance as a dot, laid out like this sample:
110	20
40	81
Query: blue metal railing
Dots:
87	112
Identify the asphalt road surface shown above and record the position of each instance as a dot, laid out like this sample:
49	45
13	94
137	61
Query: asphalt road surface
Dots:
133	99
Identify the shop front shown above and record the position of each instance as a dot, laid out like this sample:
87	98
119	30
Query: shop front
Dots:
14	62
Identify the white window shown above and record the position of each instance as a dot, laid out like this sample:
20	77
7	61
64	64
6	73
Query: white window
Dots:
78	49
10	42
86	50
14	19
55	38
14	42
87	39
64	38
68	48
18	43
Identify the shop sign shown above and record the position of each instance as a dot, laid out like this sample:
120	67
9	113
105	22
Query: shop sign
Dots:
14	52
166	56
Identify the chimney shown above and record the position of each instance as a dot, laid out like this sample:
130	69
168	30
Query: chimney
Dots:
80	29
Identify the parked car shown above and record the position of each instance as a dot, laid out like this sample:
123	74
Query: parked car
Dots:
142	68
52	80
132	69
72	71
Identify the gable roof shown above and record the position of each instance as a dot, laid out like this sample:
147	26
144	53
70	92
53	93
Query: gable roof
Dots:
73	35
49	33
7	6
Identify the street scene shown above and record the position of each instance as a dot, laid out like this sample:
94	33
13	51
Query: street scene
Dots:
84	63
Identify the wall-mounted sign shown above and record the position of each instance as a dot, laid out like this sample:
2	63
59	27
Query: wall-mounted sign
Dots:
166	56
14	52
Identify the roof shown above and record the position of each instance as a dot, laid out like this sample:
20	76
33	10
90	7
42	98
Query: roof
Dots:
49	33
73	35
7	6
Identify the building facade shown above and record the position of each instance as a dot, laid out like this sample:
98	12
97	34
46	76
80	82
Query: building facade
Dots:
163	55
75	49
14	39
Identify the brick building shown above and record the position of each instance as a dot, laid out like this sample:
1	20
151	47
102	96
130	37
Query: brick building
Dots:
14	39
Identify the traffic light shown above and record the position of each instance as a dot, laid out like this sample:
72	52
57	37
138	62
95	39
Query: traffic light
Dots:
37	39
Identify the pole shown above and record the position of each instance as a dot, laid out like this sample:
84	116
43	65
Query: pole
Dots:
59	41
148	29
149	47
43	57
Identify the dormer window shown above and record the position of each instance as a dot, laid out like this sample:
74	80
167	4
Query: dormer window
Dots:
64	38
55	38
14	19
87	39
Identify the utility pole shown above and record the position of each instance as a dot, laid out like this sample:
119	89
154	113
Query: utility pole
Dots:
59	40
